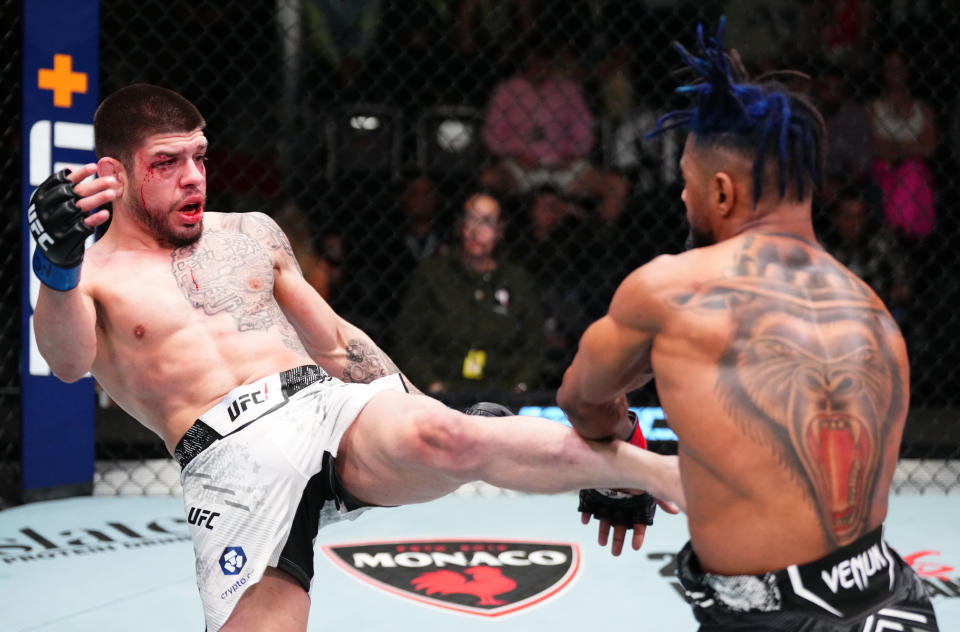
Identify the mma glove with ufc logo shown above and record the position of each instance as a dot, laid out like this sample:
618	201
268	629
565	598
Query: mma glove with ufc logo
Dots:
56	223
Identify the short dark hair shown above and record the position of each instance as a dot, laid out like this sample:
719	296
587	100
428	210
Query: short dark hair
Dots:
128	116
760	119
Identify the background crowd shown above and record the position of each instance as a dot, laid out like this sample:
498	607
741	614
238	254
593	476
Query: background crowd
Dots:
543	107
468	180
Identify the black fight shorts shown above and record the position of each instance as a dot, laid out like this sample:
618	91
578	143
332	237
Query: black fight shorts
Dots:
862	587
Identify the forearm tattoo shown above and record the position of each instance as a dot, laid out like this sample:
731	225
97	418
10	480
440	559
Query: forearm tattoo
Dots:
809	373
231	270
366	362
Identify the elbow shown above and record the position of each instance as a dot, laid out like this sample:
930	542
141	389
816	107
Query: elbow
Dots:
68	374
564	400
66	370
571	406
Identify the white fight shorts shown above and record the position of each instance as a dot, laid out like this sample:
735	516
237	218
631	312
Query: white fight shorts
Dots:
257	474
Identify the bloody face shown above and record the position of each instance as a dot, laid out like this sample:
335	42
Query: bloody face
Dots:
167	190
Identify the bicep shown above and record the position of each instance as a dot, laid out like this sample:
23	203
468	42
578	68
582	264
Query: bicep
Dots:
613	358
314	320
341	348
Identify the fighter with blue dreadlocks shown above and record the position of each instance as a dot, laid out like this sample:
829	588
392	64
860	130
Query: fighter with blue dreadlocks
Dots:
782	373
758	119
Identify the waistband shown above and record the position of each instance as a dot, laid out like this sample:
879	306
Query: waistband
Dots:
244	405
838	584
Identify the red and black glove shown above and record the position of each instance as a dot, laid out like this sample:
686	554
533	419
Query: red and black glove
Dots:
618	507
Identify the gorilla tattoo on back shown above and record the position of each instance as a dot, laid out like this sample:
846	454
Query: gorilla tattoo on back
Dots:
809	373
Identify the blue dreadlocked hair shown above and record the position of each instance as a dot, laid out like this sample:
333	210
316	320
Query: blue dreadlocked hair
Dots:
758	118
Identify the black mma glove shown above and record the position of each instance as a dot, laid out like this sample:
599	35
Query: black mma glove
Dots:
618	507
488	409
56	223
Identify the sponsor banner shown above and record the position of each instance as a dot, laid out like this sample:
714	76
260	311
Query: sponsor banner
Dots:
487	578
36	543
60	57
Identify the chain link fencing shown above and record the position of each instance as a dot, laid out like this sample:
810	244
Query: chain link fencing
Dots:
363	127
10	100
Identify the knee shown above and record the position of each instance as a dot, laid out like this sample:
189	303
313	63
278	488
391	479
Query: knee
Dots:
445	441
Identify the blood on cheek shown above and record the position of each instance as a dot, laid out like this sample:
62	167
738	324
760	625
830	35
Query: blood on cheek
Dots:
147	177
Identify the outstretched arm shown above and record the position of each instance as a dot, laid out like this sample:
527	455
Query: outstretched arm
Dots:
614	358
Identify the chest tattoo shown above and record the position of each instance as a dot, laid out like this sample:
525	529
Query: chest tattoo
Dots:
231	272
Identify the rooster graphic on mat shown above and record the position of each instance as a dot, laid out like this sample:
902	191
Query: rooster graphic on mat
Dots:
486	583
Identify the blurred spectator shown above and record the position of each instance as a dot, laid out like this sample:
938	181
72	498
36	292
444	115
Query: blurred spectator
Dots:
627	36
652	162
420	236
912	25
541	132
850	137
383	254
904	139
860	242
555	249
470	321
843	27
766	33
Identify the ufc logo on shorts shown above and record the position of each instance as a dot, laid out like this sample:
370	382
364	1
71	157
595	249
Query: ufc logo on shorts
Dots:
202	517
895	620
239	405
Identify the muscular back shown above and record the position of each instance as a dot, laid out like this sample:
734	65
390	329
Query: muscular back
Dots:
177	329
786	381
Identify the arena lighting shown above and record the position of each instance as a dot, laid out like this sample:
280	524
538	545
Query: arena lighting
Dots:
454	135
365	123
651	419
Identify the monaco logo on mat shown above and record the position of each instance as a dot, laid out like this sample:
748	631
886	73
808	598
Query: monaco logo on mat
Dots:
488	578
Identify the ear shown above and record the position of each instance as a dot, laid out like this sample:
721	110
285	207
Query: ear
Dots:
725	194
113	167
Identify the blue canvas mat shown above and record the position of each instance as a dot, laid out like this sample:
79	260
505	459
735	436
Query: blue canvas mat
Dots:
111	563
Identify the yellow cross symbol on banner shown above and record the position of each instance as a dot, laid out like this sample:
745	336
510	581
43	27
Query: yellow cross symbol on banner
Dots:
62	80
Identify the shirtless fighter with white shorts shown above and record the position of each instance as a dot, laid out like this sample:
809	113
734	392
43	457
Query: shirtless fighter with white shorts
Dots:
281	414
